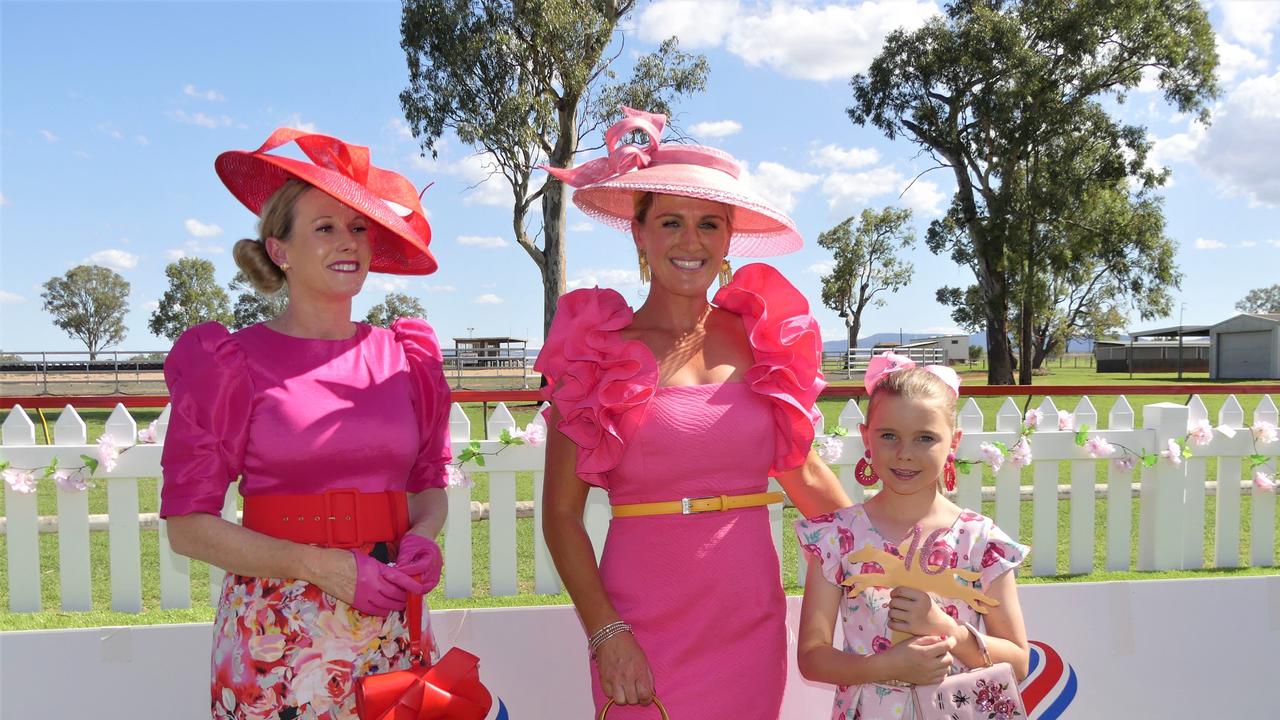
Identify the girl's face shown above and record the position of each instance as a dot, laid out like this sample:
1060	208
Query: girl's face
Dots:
685	240
909	440
327	249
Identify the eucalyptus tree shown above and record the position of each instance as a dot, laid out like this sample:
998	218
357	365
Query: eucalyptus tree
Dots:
866	262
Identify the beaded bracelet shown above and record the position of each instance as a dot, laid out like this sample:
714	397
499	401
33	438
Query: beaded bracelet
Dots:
600	636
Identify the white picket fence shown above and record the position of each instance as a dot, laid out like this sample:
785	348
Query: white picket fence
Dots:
1171	497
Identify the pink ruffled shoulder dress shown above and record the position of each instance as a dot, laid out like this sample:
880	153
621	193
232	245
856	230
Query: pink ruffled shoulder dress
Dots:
702	592
299	416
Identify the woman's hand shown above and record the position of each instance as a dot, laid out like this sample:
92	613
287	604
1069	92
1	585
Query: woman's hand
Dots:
914	611
363	583
625	675
922	660
420	557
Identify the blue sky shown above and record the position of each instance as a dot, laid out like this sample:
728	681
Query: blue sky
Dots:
111	115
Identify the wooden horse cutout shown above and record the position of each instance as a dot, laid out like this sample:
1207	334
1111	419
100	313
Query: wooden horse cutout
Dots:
912	570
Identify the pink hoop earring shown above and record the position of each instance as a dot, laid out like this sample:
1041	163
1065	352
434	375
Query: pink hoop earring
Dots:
864	472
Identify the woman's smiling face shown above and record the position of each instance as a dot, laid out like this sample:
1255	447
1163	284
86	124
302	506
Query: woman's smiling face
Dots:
327	249
685	240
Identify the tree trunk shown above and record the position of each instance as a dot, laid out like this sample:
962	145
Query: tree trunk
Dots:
553	280
853	324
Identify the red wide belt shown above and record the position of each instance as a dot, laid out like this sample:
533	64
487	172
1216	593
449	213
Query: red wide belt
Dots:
333	518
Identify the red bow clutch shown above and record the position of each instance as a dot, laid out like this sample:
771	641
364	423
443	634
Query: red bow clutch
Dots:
448	690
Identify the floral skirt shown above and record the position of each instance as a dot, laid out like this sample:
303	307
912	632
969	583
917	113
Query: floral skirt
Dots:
286	650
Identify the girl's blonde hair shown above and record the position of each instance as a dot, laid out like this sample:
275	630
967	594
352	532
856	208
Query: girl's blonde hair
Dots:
914	384
277	222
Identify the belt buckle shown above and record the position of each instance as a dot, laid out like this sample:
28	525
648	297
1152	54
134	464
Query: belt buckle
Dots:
686	506
334	515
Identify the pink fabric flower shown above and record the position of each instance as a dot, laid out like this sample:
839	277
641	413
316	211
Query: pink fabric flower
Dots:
1200	432
991	455
1066	421
830	449
533	434
1173	453
1263	482
70	480
1125	462
880	643
1265	432
148	433
1033	418
455	477
20	481
1098	447
107	453
1020	454
992	555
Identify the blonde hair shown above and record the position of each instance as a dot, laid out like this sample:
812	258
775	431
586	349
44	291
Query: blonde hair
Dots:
914	384
276	221
642	202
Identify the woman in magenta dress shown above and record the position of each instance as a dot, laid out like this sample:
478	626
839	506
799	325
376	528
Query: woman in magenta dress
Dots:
337	430
682	410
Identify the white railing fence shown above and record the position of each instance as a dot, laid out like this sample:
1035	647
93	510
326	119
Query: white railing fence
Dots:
1171	500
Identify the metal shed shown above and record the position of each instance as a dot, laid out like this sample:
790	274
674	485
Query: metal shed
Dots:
1246	346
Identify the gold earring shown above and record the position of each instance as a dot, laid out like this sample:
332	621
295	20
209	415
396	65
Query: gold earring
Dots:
284	266
645	275
726	272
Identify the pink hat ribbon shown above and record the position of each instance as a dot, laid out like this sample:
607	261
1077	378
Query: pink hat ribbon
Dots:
888	362
625	158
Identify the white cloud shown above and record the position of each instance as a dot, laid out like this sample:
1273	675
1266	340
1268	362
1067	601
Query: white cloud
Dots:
924	197
387	283
1274	242
581	227
8	298
1205	244
142	139
488	299
822	268
201	230
1250	22
48	136
296	122
1235	60
110	131
1177	148
606	277
192	91
114	259
715	129
1248	243
4	201
192	248
399	128
1240	148
834	156
778	184
827	43
698	23
849	192
151	305
484	241
438	288
200	119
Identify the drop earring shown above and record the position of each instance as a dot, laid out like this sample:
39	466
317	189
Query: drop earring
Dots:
645	274
949	473
864	472
726	272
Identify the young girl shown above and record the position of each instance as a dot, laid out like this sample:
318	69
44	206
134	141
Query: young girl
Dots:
911	437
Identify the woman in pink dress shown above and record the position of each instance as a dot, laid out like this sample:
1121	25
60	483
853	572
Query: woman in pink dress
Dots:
682	410
337	430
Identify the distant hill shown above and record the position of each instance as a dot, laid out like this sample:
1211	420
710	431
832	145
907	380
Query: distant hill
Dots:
979	339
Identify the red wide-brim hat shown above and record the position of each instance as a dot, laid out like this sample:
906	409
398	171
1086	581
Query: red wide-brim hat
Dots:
400	235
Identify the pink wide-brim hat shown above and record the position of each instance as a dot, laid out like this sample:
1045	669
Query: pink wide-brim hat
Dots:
400	233
606	186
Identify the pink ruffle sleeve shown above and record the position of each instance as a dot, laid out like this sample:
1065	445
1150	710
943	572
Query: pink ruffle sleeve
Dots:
430	400
787	344
598	382
210	397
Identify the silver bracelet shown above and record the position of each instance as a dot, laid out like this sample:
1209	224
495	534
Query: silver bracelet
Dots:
608	631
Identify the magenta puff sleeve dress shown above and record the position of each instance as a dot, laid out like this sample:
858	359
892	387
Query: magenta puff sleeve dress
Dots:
292	415
702	592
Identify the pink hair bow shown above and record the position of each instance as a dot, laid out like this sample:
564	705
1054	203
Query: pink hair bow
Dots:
624	158
888	362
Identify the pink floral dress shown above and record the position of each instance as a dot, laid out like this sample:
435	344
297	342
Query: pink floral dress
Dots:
973	542
292	415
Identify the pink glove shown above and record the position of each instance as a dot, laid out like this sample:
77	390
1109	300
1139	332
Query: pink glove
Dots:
420	557
381	589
